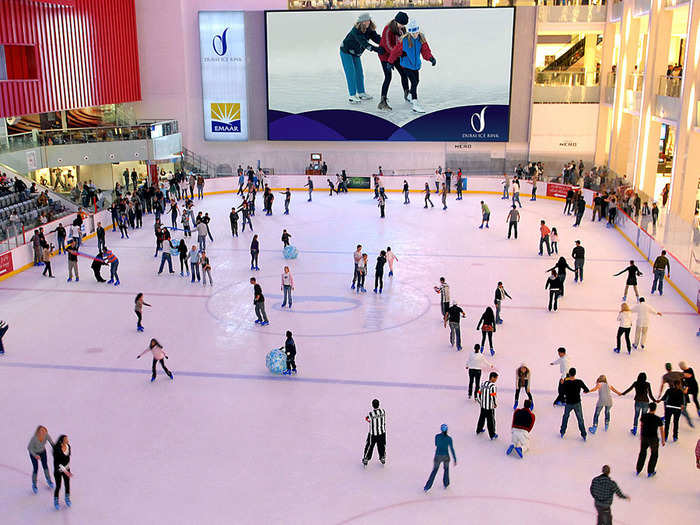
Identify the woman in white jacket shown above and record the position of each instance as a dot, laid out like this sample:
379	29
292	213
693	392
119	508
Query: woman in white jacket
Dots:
624	319
159	356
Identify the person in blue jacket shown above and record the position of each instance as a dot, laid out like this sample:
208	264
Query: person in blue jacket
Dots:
443	444
413	46
354	44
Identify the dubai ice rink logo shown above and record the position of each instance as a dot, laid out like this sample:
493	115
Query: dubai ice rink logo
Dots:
480	118
222	43
225	117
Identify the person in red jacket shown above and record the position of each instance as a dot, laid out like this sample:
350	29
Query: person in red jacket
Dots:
391	39
523	421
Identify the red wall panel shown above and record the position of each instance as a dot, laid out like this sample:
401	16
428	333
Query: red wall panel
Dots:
87	54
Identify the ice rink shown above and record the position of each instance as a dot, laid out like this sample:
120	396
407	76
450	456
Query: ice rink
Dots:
228	442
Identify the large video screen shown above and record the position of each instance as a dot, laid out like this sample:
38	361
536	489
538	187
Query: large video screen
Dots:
446	74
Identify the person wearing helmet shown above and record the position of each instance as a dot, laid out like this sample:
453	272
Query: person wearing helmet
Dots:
413	46
443	445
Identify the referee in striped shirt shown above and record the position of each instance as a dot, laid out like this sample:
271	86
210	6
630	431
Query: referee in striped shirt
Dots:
377	433
487	399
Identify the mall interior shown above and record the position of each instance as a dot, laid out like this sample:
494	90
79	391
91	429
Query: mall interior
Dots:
89	89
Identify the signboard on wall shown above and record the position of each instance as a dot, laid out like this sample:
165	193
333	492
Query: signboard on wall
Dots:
559	190
222	54
6	263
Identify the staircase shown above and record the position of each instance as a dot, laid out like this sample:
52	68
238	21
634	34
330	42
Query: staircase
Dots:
198	165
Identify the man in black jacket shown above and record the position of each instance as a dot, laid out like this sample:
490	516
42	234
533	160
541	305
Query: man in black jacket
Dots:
650	439
290	349
100	237
572	388
579	255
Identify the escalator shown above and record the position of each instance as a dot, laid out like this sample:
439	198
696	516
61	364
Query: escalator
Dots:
571	56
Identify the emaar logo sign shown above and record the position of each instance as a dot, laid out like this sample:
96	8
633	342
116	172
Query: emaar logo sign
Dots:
219	43
478	120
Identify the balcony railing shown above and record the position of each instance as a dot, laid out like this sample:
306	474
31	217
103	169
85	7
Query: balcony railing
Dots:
616	11
557	14
641	6
675	3
634	82
670	86
566	78
609	95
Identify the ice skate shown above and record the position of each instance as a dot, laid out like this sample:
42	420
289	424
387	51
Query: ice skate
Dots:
407	96
416	107
34	488
68	503
354	99
364	96
510	449
384	105
593	429
55	503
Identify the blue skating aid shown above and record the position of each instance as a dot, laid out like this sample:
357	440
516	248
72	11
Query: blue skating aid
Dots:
276	361
290	252
173	251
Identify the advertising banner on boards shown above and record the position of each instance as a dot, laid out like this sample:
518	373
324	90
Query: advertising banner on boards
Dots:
224	95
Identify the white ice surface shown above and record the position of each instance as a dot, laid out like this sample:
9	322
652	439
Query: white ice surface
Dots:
226	442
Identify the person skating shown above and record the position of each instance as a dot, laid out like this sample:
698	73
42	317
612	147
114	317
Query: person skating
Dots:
245	215
166	255
579	255
487	325
61	469
580	209
96	266
356	257
498	297
572	394
139	303
111	259
233	218
544	237
561	268
427	196
690	384
443	446
46	258
642	398
206	269
649	439
452	315
443	197
159	356
406	200
506	187
661	266
37	452
603	489
391	258
287	287
444	290
381	203
487	401
555	286
362	273
254	251
512	219
413	45
290	350
71	251
259	303
674	405
194	258
563	362
516	192
376	435
475	365
644	311
521	426
485	215
354	44
309	184
285	238
100	237
287	198
391	39
604	402
523	377
624	319
379	271
554	240
632	274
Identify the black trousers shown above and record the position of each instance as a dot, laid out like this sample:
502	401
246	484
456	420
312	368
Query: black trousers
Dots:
487	415
553	297
413	78
626	332
60	477
671	413
139	317
162	363
234	228
526	387
381	211
379	279
47	268
380	441
646	443
560	394
291	362
98	277
485	334
386	68
474	379
513	226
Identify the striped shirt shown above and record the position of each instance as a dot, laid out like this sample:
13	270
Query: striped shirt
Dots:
108	256
445	293
377	421
487	395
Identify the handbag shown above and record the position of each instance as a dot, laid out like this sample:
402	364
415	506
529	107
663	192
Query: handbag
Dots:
486	328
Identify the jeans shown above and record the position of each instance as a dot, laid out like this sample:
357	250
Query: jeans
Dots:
380	441
100	243
139	318
204	277
352	65
113	276
260	311
516	197
646	443
626	331
253	259
165	256
671	413
200	192
604	515
545	240
474	379
579	416
47	268
598	409
513	226
35	466
162	364
640	407
658	281
534	193
406	200
250	224
455	332
506	194
202	241
287	290
487	415
525	387
497	304
427	200
194	270
578	269
445	460
61	244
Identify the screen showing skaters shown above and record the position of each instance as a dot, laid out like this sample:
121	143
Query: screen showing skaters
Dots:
377	433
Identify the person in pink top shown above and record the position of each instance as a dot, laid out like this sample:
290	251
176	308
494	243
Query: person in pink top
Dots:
159	356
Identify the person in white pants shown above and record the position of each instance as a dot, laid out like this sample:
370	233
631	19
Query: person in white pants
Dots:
644	311
523	421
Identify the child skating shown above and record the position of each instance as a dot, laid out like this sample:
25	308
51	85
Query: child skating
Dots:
391	258
290	350
139	303
159	356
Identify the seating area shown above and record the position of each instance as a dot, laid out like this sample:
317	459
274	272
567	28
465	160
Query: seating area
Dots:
28	210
